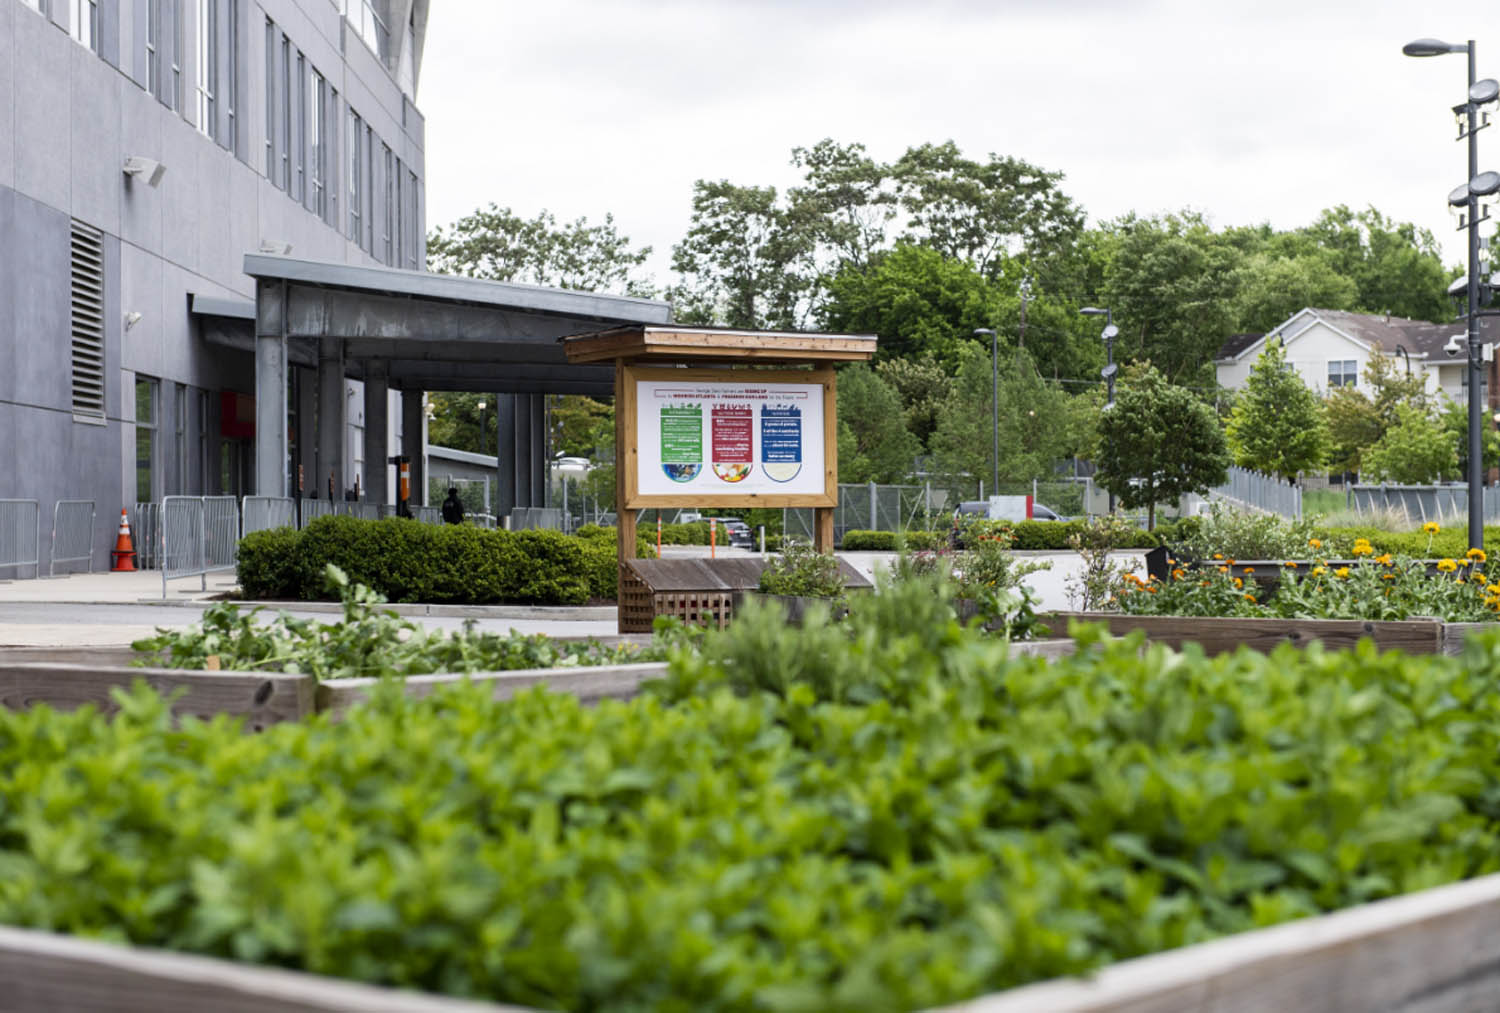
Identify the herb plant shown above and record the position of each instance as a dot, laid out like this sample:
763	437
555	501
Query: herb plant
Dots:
801	570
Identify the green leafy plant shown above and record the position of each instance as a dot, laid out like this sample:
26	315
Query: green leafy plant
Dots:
891	813
1246	534
1094	588
801	570
367	641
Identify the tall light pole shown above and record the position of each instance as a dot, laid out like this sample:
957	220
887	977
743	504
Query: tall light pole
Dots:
994	404
1479	93
1108	372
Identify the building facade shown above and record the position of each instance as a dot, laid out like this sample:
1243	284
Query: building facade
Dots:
147	146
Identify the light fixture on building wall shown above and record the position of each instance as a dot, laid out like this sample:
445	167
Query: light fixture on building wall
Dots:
275	246
147	169
132	318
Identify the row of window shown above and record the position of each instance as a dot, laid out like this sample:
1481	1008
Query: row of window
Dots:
303	158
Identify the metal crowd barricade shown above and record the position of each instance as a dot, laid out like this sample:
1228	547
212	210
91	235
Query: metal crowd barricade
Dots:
261	513
20	535
312	509
182	540
536	518
72	534
145	535
483	520
221	533
428	514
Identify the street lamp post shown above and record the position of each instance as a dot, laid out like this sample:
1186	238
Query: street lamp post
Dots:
994	405
1479	93
1108	372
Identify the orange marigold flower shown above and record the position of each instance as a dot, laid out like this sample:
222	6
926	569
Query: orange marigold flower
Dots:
1249	596
1223	569
1178	574
1248	571
1290	564
1387	576
1218	555
1238	582
1316	543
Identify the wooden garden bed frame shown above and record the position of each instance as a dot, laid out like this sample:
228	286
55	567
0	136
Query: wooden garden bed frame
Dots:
1216	635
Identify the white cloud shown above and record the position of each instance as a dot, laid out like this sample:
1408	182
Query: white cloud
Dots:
1268	112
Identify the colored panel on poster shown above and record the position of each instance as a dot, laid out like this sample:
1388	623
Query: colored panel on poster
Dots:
781	441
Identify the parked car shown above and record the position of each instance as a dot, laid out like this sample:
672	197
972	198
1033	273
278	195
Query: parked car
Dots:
735	532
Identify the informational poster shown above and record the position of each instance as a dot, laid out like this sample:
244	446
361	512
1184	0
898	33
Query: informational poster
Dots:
704	438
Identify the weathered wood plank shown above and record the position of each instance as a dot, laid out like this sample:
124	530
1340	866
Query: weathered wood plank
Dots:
1454	634
589	684
261	698
1435	950
42	971
1216	636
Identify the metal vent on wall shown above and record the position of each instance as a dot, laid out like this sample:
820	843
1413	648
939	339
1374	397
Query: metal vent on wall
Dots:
88	321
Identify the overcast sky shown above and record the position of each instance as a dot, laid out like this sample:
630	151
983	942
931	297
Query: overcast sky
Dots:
1252	112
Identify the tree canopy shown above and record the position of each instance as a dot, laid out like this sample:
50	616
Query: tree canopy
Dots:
1277	425
1158	443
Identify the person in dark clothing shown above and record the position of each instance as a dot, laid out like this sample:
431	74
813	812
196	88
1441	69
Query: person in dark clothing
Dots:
453	510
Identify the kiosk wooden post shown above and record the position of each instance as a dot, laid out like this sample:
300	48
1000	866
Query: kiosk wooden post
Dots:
705	365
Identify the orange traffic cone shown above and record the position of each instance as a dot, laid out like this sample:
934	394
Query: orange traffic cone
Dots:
123	556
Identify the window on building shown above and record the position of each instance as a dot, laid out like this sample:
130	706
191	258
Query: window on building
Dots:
87	322
270	101
299	190
205	446
1342	373
153	46
388	219
86	23
331	157
285	111
147	393
207	63
180	442
40	6
317	129
171	11
413	234
402	224
367	241
354	199
231	87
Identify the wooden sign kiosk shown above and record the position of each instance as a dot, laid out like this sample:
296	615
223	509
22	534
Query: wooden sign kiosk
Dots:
716	417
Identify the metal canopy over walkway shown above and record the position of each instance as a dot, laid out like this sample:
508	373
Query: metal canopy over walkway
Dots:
413	331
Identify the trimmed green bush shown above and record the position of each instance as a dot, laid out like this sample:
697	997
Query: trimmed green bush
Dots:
890	541
408	562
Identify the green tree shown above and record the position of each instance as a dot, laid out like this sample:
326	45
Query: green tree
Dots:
1278	425
923	386
1396	266
1415	451
919	303
1455	422
580	424
847	198
497	244
748	259
1357	421
1271	288
1034	420
1158	443
874	443
1171	282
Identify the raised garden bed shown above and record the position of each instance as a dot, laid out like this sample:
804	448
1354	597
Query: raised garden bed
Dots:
1215	635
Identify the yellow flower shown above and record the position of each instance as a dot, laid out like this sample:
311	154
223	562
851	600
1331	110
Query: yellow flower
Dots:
1384	560
1387	576
1493	589
1223	569
1218	555
1431	527
1229	561
1248	571
1458	580
1476	554
1363	549
1316	543
1290	564
1342	571
1318	571
1238	582
1249	596
1446	565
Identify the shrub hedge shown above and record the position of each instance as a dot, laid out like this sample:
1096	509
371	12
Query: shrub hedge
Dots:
889	541
408	562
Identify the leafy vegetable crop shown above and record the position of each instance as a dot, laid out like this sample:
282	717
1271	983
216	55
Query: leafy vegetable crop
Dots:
367	641
886	814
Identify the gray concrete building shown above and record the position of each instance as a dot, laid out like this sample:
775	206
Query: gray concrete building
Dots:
146	147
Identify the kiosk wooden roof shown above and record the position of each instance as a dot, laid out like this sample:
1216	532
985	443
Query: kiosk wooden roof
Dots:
682	343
